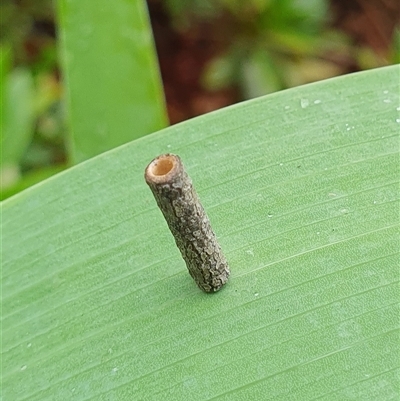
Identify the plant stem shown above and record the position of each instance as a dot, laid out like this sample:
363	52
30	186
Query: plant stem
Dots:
188	222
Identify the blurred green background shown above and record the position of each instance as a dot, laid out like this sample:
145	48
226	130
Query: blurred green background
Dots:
212	53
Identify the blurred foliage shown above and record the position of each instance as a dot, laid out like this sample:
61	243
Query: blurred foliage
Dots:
32	109
275	44
395	48
263	46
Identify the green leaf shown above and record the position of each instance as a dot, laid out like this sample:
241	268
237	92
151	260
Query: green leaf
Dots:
114	90
5	65
29	179
17	120
301	187
220	72
259	75
395	47
17	116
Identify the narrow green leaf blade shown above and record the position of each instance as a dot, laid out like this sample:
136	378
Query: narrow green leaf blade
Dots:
301	187
17	116
114	90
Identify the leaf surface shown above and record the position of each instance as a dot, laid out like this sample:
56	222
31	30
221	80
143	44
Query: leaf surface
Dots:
302	189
